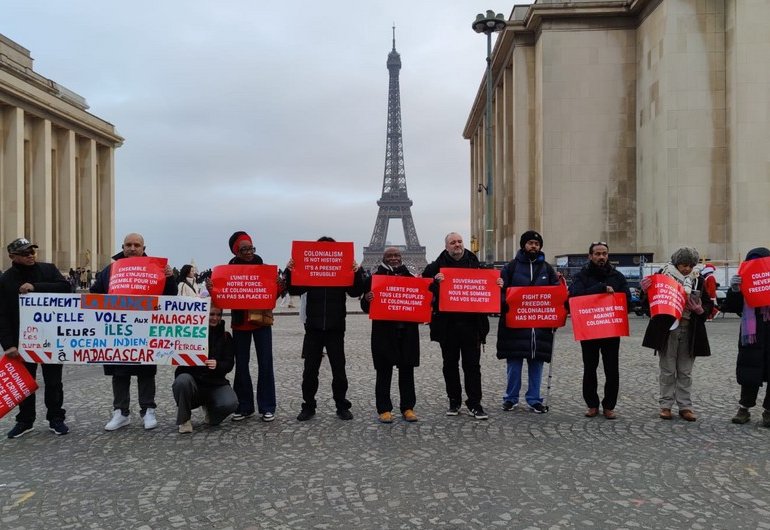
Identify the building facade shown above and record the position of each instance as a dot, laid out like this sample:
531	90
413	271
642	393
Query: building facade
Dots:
643	123
57	167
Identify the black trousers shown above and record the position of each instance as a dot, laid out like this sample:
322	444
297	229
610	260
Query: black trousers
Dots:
749	397
121	398
312	347
405	388
53	395
608	349
462	342
220	401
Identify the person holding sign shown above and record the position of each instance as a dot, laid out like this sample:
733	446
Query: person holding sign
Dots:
596	277
394	343
325	328
527	269
753	365
678	345
460	335
206	386
26	275
133	247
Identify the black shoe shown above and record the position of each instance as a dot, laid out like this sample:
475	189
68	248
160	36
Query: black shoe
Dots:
508	406
344	414
305	414
742	416
453	410
58	427
538	408
478	413
19	430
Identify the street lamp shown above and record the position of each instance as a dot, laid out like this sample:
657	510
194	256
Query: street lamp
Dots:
489	24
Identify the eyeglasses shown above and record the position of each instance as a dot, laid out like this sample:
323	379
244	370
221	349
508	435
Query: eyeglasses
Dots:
246	249
25	253
599	243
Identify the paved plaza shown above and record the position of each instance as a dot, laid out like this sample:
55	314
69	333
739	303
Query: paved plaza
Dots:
516	470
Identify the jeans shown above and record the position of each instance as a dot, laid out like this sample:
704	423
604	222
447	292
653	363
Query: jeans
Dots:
312	347
608	349
263	343
53	395
534	374
220	401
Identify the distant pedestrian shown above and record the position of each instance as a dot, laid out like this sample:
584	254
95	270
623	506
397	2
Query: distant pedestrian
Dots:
187	285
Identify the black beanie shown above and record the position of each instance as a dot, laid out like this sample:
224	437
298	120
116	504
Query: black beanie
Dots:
235	237
528	236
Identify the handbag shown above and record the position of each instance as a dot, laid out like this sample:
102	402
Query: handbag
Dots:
259	317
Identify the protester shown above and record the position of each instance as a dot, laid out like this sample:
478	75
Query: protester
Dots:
753	365
325	312
393	344
133	246
596	277
678	347
187	285
460	335
528	268
27	275
206	386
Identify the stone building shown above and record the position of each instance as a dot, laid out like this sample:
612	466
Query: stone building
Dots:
643	123
57	168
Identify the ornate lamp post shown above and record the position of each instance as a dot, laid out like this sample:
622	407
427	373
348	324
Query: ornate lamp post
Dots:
489	24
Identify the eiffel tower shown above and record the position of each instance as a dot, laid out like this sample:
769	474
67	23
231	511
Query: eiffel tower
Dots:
394	203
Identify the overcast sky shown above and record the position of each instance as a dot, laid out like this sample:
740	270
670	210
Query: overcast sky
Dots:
267	117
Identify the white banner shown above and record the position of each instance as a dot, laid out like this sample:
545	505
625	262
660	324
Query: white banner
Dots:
113	329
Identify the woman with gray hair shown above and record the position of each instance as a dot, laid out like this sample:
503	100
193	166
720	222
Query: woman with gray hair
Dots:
677	345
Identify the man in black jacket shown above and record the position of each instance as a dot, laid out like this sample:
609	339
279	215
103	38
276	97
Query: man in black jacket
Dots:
325	327
596	277
460	335
26	275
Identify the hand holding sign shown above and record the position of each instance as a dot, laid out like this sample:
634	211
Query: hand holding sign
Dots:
754	281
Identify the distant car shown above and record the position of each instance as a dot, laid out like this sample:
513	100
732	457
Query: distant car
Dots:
636	301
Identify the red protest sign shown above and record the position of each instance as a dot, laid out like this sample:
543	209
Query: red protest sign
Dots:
755	281
599	316
139	275
322	263
536	307
469	290
666	296
400	298
244	286
16	383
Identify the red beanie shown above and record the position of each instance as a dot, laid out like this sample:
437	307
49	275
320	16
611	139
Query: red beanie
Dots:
236	239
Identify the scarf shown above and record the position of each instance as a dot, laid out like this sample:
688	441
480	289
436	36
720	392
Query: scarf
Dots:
749	323
669	269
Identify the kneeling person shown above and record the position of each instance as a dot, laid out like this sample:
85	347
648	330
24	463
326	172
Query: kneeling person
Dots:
206	386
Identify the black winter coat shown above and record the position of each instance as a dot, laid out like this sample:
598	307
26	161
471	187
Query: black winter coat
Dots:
326	306
441	322
521	343
44	277
393	343
595	280
102	286
753	364
220	349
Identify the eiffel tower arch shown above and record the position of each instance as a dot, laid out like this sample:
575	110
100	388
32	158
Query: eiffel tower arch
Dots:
394	202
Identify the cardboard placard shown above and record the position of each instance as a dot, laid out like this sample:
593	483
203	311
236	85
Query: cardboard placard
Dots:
16	383
140	275
755	281
666	296
599	316
244	286
322	263
536	307
400	298
469	290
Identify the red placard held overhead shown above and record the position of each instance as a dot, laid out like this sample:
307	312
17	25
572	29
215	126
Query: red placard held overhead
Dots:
322	263
755	281
666	296
469	290
536	307
244	286
16	383
599	316
400	298
138	275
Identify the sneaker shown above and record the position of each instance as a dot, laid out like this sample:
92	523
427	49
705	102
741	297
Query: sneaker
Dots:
58	427
118	420
344	414
150	421
508	406
478	413
386	417
240	417
186	427
305	414
409	415
20	429
268	416
206	417
538	408
742	416
766	418
453	410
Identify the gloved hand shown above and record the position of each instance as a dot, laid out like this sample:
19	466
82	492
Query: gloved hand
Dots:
735	283
645	283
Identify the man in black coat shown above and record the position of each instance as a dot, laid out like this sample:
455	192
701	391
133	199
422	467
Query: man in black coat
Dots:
26	275
133	246
596	277
393	344
460	335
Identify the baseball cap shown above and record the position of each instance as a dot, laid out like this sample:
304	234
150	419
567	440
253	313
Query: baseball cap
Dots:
19	245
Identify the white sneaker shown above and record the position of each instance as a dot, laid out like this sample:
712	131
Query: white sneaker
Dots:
150	421
185	428
206	417
118	420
